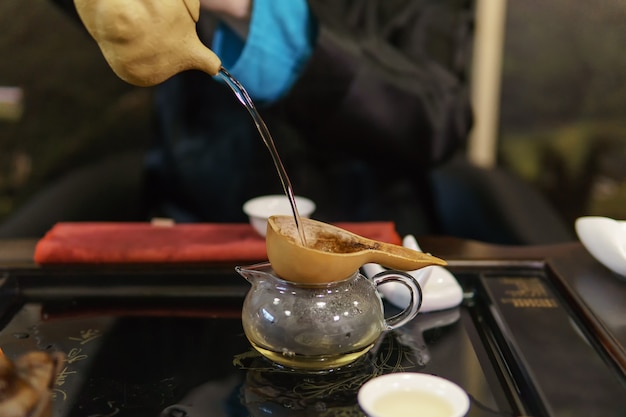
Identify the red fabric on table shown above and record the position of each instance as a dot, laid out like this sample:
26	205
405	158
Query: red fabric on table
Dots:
124	243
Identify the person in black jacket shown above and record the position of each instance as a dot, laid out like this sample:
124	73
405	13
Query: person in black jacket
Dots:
380	100
363	99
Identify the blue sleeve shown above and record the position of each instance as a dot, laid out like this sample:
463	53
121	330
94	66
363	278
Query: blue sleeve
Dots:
280	41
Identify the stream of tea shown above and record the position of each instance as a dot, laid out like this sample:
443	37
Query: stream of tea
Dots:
245	99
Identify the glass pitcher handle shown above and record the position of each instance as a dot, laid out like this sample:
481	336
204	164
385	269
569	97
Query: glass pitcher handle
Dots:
415	303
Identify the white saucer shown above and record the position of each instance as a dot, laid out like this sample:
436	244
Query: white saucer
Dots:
440	289
605	239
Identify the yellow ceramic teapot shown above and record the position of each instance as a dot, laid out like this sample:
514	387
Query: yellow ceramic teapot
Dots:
147	41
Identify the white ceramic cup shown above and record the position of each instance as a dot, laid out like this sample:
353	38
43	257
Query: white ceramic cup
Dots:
259	209
411	393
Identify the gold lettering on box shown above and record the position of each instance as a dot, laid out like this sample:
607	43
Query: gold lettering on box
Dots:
530	302
527	293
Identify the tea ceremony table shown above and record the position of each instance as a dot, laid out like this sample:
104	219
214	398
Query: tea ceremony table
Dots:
541	332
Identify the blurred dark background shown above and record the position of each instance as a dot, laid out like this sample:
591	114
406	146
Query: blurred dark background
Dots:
75	110
563	102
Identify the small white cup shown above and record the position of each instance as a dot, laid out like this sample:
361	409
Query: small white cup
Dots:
412	393
259	209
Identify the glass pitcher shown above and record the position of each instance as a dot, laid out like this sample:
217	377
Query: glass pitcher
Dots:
319	327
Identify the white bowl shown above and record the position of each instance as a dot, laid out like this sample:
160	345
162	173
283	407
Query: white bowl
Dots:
412	393
260	208
605	239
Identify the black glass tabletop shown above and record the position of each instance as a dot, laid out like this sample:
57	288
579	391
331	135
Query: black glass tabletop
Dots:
170	343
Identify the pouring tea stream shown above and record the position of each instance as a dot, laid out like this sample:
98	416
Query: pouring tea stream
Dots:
131	36
125	32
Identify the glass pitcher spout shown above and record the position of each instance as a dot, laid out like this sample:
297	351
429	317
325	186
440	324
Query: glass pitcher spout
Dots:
256	273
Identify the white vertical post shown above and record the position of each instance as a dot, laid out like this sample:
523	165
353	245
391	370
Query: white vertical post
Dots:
485	81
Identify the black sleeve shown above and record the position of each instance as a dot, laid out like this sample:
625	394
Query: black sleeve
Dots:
389	77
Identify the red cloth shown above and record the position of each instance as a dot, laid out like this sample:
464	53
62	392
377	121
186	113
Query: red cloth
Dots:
140	243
